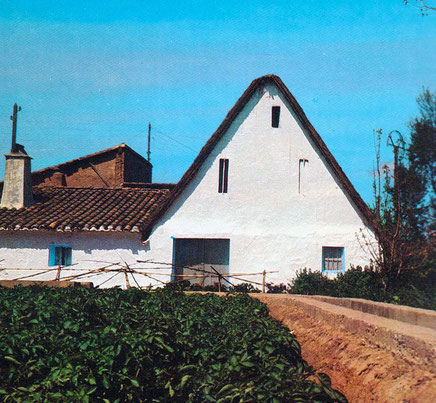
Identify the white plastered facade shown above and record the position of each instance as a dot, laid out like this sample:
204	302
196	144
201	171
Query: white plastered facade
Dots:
282	207
274	223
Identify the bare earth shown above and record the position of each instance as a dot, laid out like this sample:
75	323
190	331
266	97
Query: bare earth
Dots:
363	370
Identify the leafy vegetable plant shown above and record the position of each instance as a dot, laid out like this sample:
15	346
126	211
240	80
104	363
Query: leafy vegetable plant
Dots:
111	345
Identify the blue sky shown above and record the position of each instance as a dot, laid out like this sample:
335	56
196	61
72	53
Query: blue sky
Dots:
90	75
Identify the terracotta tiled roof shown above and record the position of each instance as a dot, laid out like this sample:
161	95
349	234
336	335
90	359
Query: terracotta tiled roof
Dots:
85	209
192	171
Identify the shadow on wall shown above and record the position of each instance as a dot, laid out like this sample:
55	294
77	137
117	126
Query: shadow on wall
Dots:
87	242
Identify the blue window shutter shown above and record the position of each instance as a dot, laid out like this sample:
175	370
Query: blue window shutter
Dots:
343	259
51	255
68	253
60	255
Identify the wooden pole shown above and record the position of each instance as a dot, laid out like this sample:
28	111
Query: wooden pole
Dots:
219	283
127	279
148	143
14	118
263	281
219	274
58	274
35	274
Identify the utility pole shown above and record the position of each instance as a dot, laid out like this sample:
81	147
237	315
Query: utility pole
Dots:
14	127
149	138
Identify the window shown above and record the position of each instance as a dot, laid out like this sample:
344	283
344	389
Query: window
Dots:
223	176
275	116
59	255
332	258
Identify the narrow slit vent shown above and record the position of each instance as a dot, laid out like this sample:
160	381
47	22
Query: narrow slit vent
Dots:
275	116
223	176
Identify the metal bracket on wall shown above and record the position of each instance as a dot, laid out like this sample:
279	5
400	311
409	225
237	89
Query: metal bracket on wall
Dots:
301	162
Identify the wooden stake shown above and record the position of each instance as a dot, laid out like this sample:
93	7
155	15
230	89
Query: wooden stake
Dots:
263	282
127	279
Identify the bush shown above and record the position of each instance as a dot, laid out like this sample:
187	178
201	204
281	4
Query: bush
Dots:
276	289
186	285
244	288
358	283
417	289
311	283
179	285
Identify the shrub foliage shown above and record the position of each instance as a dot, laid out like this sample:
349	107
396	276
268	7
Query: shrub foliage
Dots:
111	345
416	289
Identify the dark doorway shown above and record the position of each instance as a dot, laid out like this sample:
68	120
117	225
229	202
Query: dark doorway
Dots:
198	253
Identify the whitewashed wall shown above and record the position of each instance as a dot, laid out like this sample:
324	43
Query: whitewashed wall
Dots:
269	223
90	250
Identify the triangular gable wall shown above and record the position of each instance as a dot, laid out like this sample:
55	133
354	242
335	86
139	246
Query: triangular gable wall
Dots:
215	145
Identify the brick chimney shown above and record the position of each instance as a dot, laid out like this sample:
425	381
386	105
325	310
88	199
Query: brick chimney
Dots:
17	186
58	179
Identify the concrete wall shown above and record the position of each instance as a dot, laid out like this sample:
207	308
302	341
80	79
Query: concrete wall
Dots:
272	224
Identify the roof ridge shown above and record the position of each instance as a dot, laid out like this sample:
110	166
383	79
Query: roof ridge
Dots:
104	189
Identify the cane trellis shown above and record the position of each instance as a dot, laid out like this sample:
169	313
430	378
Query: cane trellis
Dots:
131	274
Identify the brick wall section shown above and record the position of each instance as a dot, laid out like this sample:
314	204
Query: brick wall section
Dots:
108	168
81	173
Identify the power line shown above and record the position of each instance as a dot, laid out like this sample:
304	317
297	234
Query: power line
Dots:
175	140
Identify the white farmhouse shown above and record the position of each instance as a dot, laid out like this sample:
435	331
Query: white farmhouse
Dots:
264	193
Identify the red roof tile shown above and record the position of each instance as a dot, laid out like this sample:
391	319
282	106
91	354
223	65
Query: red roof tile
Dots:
85	209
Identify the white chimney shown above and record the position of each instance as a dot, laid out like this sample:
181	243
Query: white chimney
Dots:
17	186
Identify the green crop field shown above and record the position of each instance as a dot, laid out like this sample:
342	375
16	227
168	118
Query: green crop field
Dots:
75	344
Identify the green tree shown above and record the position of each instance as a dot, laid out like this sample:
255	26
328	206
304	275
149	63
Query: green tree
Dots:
422	156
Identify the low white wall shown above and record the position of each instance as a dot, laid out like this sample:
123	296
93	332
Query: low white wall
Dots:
90	250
